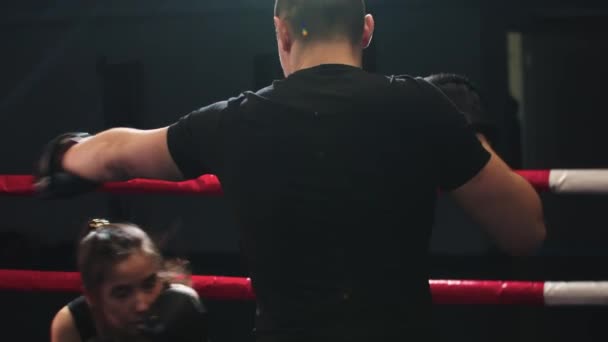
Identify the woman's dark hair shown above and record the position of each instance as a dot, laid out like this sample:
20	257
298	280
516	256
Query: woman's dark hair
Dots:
104	244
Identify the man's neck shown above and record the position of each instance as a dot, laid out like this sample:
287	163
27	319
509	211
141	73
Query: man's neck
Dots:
315	54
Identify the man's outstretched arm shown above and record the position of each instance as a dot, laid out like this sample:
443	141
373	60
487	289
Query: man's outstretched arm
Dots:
506	206
121	154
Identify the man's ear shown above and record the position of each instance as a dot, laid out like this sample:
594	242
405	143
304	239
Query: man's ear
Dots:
283	35
368	30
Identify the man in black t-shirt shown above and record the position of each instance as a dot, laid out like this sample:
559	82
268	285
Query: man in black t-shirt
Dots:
332	174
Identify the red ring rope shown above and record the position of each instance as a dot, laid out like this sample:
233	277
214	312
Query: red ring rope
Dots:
21	185
234	288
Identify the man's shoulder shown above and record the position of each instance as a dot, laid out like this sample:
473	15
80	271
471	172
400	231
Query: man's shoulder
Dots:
408	80
418	88
219	107
266	91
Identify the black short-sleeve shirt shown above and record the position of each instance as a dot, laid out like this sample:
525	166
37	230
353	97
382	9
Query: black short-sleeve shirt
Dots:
332	174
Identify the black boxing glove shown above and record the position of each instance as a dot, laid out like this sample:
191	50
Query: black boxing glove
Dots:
465	96
176	315
50	179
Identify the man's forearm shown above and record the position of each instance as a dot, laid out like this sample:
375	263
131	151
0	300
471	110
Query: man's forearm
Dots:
529	212
98	158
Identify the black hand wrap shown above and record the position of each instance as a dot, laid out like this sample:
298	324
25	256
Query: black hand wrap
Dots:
177	315
50	179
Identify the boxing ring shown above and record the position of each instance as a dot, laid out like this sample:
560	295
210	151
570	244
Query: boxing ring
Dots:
444	291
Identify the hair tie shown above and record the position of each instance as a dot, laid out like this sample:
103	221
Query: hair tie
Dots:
95	224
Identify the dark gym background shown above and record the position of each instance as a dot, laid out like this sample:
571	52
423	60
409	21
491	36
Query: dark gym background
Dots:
85	66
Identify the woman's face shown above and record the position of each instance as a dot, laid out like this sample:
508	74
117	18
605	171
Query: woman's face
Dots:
129	291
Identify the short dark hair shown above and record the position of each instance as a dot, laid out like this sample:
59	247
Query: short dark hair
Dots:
317	20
